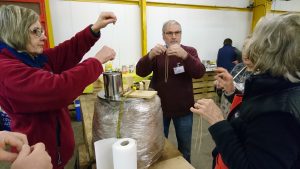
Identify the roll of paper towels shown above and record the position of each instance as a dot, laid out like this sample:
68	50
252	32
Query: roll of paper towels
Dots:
103	152
125	154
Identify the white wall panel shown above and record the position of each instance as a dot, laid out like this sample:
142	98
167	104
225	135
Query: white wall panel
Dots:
203	29
124	37
281	5
61	20
231	3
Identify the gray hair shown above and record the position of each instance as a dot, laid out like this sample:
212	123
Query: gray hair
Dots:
275	46
14	25
245	51
170	22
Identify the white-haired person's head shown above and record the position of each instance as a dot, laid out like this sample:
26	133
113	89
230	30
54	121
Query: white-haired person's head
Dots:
275	46
15	22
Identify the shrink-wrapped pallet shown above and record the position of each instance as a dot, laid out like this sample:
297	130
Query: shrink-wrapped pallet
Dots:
141	120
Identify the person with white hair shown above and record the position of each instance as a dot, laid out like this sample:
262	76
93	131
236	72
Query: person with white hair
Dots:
264	131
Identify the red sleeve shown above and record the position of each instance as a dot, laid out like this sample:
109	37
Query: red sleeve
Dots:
69	53
145	66
193	65
29	90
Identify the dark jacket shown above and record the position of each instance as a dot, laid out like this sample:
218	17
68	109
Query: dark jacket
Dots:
226	55
264	131
177	93
36	99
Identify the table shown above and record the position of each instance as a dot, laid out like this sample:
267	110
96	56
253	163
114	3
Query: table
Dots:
170	157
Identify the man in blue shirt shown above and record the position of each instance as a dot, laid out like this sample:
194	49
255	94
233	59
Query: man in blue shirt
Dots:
227	56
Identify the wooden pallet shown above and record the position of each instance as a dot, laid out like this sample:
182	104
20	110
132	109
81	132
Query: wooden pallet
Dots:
84	160
204	87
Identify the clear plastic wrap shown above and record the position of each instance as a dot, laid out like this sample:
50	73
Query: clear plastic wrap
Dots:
141	120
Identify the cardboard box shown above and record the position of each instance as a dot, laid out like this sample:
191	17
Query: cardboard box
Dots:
174	163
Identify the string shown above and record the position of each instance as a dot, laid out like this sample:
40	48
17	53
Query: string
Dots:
120	118
116	42
198	142
197	134
121	112
166	68
200	137
239	73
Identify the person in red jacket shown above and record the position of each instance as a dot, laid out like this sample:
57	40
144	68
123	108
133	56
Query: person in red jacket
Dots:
37	85
34	157
174	65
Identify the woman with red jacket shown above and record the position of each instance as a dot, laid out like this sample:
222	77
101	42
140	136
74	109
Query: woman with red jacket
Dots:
37	85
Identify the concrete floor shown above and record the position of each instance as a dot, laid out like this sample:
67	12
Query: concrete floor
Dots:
202	144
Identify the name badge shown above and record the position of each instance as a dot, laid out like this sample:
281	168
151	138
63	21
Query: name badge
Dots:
178	69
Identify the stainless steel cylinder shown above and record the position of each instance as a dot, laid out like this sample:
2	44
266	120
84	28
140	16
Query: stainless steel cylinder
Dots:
113	85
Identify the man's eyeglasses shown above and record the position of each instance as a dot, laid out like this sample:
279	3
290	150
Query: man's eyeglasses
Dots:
38	31
173	33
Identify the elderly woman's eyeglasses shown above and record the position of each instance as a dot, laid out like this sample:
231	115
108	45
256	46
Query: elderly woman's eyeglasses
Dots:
173	33
38	31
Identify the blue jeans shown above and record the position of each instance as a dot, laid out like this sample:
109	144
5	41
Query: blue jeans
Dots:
4	121
183	128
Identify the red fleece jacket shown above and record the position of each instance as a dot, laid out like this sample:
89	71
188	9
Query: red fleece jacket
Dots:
36	99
